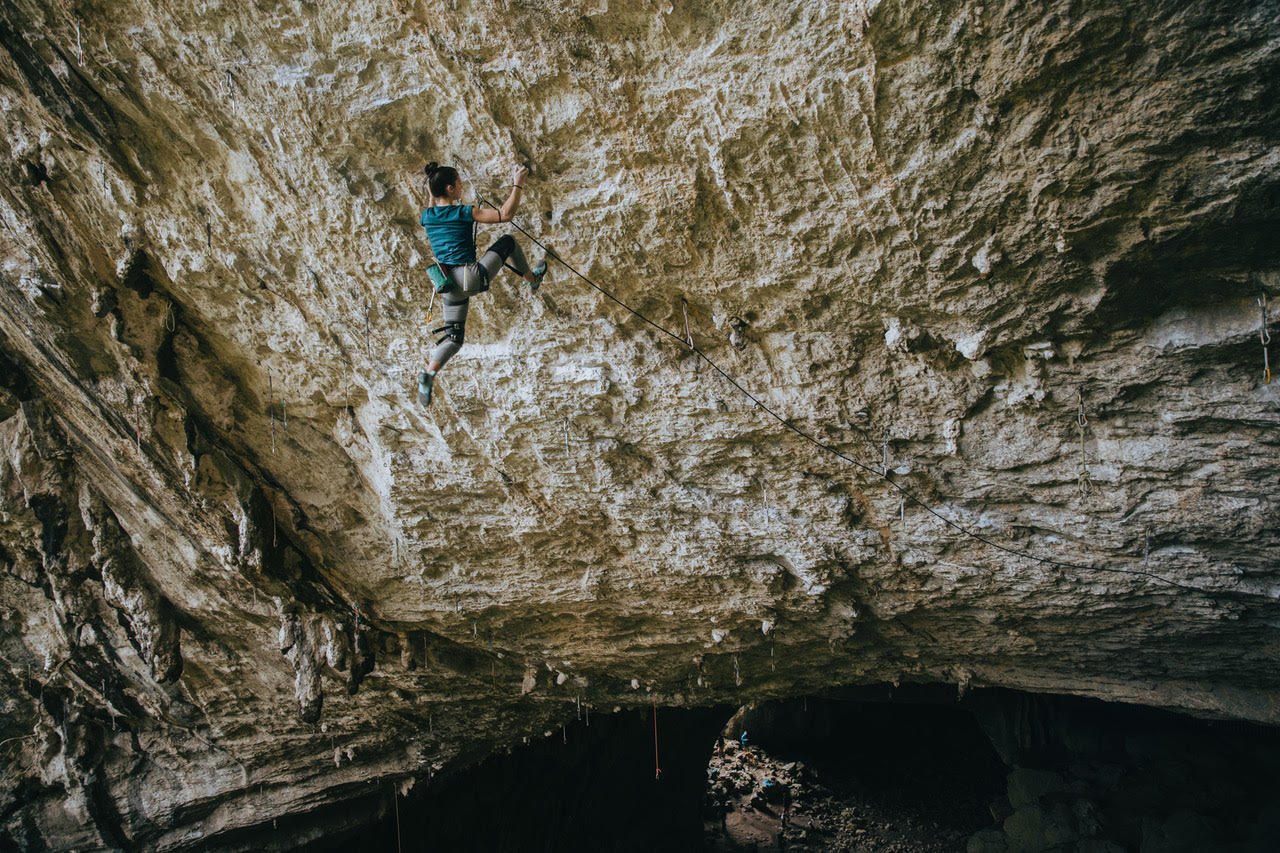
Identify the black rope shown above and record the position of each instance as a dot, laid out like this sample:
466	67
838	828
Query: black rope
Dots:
907	493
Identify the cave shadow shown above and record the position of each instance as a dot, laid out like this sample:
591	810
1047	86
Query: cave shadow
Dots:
578	788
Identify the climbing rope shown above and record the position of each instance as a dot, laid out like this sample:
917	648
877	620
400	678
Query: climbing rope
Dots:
657	769
1264	335
367	351
395	792
906	493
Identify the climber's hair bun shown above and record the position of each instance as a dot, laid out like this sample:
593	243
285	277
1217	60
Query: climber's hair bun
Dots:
440	178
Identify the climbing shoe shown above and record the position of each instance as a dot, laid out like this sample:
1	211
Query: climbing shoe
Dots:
425	381
539	272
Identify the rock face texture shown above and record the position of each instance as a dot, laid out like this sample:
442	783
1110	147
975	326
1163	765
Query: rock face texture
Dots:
243	574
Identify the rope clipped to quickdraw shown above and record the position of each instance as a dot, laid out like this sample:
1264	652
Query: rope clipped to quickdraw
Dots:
1082	423
170	320
657	769
1264	334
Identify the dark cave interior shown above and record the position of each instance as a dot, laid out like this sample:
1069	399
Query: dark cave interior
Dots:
994	762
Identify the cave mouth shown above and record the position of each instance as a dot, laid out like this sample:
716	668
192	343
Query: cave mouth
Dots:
906	769
912	768
921	769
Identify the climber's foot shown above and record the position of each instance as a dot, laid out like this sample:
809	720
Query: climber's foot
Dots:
539	272
425	381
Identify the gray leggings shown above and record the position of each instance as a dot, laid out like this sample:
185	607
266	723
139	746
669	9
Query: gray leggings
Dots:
469	280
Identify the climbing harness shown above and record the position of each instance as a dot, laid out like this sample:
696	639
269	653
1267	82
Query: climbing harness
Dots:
1082	423
787	424
1264	334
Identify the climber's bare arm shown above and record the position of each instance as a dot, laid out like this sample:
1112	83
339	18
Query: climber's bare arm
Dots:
489	216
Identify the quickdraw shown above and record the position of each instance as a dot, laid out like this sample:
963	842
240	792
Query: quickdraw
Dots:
1082	423
1264	334
271	410
684	305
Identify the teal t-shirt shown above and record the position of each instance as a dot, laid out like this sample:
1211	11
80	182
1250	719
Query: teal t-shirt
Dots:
449	230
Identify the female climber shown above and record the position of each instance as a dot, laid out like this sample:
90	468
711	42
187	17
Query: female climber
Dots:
451	233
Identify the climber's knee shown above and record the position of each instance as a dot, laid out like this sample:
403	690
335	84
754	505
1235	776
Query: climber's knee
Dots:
503	246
